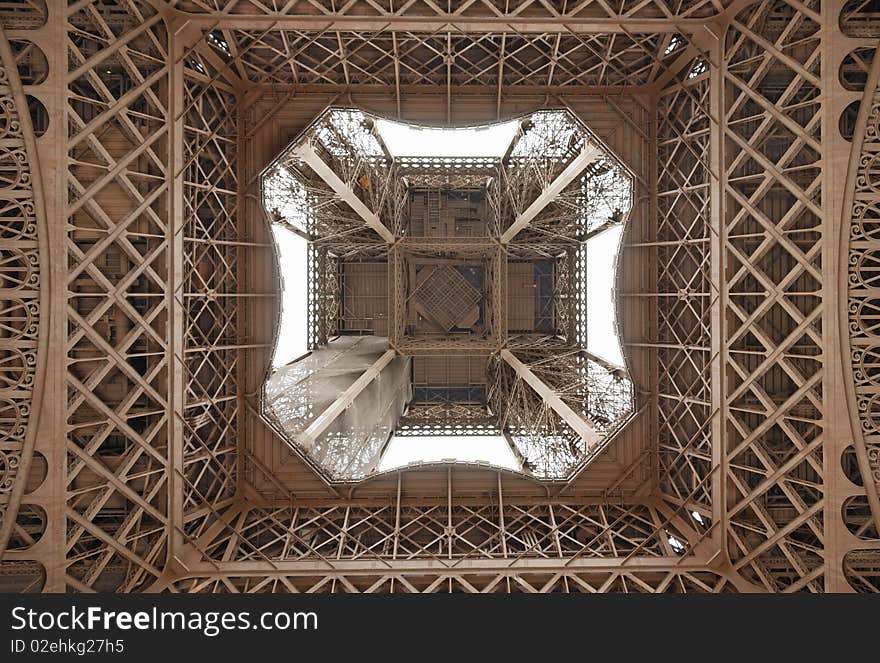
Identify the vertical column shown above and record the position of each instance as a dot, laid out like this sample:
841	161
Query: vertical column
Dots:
23	300
838	434
52	431
718	291
176	294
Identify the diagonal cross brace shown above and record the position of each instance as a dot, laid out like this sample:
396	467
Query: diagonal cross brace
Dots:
590	436
307	153
322	422
588	155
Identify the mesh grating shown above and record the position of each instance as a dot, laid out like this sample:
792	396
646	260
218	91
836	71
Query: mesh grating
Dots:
447	296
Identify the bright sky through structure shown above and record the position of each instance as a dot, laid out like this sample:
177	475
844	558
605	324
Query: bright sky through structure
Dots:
492	141
404	140
407	140
292	337
602	337
492	449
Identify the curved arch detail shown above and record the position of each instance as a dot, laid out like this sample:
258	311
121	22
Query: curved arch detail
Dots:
22	251
861	239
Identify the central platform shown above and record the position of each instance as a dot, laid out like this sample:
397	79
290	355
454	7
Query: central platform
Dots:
445	298
446	295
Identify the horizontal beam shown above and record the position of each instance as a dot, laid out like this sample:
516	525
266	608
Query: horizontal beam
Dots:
552	399
569	564
446	347
440	22
310	435
473	89
307	153
588	155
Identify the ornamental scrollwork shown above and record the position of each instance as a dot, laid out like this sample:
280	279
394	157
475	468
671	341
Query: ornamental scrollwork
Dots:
863	279
19	289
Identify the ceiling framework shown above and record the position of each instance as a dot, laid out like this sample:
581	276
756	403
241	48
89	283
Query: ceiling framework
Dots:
139	291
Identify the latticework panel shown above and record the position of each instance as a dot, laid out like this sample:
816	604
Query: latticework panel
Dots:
385	56
773	250
327	293
154	303
209	289
447	418
684	287
483	9
433	534
535	582
117	252
21	309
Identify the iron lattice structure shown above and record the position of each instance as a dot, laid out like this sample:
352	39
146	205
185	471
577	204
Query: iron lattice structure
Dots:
554	188
137	300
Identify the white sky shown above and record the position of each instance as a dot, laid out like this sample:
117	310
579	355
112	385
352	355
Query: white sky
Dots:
490	448
602	337
404	140
292	337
